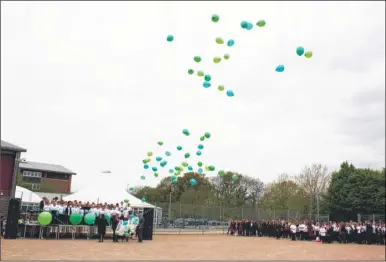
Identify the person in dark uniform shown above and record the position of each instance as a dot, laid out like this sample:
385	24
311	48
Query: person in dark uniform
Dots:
254	228
247	226
141	225
369	233
342	233
114	225
279	230
102	223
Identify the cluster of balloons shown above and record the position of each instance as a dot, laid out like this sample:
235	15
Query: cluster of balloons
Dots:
300	51
45	218
248	26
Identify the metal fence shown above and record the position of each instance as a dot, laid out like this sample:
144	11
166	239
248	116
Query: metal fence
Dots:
371	217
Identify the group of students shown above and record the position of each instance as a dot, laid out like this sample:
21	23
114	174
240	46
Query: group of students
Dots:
124	223
368	232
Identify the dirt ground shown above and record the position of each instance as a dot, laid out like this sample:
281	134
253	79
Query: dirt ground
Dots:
188	247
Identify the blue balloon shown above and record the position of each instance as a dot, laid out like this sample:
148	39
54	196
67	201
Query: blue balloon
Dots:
124	223
154	169
193	182
131	216
230	93
198	153
158	158
200	170
231	42
171	171
146	166
190	168
280	68
249	26
206	84
201	147
167	153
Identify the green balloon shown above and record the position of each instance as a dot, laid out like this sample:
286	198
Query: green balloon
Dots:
215	18
187	155
197	59
202	138
207	168
300	51
199	164
143	177
226	56
216	59
260	23
89	219
149	153
108	218
75	219
221	88
179	148
308	54
177	173
177	168
126	201
154	169
221	172
211	168
207	78
174	179
131	188
145	161
143	199
200	73
160	143
44	218
207	135
219	41
155	174
190	71
184	164
235	177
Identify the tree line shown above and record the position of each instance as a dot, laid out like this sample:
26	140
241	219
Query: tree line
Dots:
343	193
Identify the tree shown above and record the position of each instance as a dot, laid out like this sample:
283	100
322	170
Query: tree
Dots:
314	181
254	188
229	191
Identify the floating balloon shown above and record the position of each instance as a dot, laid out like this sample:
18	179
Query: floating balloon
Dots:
167	153
197	59
184	164
155	174
231	42
185	131
177	173
158	158
202	138
179	148
190	71
221	172
249	26
160	143
199	164
187	155
143	177
154	169
190	168
207	78
219	41
260	23
308	54
75	219
146	166
174	179
145	161
207	168
131	188
126	201
226	56
244	24
198	153
149	153
200	170
207	135
215	18
169	38
44	218
206	84
216	59
200	73
211	168
220	88
235	177
163	163
143	200
193	182
89	219
178	168
171	171
230	93
280	68
300	51
201	147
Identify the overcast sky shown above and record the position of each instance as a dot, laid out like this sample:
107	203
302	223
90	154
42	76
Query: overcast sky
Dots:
94	86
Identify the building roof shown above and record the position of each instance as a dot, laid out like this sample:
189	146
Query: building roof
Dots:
45	167
11	147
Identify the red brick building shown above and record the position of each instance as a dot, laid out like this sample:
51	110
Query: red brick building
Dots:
46	178
10	159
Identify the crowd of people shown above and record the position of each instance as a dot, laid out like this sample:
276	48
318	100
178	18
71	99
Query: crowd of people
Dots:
368	232
120	216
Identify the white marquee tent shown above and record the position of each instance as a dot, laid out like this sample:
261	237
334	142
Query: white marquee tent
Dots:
110	195
27	196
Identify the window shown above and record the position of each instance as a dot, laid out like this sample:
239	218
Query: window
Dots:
32	174
58	176
35	186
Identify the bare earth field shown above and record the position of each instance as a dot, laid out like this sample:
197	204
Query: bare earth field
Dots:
187	247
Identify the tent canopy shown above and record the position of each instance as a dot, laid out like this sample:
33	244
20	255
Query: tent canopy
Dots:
110	195
26	195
